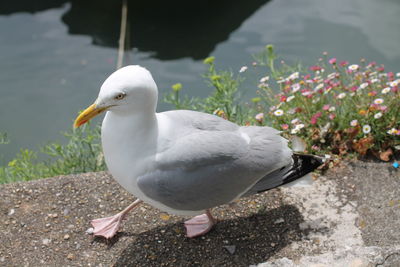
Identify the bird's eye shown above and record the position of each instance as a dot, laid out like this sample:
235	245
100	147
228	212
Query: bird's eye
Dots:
120	96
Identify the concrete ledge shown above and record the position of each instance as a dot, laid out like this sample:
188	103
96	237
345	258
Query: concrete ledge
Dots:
349	217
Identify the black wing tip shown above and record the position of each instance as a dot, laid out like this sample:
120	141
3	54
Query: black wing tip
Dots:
302	165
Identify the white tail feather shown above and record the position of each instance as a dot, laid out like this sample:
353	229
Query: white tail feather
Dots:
298	144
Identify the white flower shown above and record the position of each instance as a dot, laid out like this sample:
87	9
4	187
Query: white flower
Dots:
243	69
293	76
386	90
264	79
378	101
297	128
398	74
392	131
363	85
354	123
374	80
315	100
332	109
378	115
394	83
319	86
332	76
294	121
306	93
353	67
295	87
290	98
318	79
278	112
366	129
280	81
341	95
259	116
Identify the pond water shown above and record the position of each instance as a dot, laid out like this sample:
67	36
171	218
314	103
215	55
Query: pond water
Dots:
54	57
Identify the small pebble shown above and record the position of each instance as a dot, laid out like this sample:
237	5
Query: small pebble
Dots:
70	256
66	237
280	220
90	231
230	249
11	212
46	241
66	212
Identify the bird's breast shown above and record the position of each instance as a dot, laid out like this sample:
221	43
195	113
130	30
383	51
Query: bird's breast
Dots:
128	152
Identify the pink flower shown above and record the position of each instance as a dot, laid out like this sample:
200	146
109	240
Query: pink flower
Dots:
354	88
307	77
383	108
381	69
315	147
315	117
332	116
344	63
315	68
313	120
259	117
283	98
326	107
332	61
284	126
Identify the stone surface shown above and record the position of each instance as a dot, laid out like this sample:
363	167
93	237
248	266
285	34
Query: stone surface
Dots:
348	217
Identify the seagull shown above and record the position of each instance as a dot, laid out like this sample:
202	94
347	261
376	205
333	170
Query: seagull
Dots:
184	162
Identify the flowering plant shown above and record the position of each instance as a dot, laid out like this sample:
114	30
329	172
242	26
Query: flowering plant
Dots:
336	107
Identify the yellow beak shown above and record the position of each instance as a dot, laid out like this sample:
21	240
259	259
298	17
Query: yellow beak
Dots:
86	115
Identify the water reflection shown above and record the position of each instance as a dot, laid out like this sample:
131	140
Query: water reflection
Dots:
167	29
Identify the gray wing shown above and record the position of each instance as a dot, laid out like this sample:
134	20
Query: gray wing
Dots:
205	169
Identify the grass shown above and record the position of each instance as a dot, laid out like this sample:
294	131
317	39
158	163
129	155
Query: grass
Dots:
82	153
338	109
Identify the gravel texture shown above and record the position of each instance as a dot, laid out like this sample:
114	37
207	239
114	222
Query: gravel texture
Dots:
44	222
354	207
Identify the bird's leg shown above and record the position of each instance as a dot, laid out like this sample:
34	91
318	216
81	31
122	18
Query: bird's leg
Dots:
200	224
108	227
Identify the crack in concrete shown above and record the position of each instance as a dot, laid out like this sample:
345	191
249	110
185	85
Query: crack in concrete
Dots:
386	258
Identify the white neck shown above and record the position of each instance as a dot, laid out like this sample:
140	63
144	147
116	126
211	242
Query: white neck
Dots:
126	139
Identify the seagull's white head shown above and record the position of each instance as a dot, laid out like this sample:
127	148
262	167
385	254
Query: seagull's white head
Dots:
128	90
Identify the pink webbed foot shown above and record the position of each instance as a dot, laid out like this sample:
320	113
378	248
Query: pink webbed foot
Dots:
199	225
107	227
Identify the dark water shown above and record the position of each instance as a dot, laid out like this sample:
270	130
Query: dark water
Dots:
54	55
